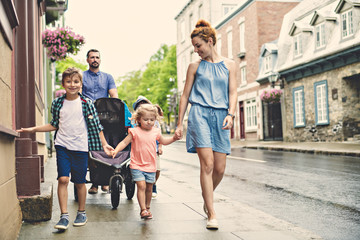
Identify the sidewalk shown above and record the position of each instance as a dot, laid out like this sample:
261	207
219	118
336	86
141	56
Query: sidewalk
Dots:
177	214
341	148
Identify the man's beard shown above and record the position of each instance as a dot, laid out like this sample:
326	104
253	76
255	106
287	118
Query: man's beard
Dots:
93	65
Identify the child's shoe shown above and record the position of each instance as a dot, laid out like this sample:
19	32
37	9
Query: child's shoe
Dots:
80	220
154	192
63	223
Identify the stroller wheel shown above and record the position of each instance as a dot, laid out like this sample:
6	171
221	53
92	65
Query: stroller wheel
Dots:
115	191
130	188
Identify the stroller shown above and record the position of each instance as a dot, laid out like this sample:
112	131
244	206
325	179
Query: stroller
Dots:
105	170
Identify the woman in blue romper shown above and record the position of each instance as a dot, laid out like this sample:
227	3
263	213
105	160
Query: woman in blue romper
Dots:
210	88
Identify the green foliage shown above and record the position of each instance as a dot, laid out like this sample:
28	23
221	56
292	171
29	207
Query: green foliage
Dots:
154	82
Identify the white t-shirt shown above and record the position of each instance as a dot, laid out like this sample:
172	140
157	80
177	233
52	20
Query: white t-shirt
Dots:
72	133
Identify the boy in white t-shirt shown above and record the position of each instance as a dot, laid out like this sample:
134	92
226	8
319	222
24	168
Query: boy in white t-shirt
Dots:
78	130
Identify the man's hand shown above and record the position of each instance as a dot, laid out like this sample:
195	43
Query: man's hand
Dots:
108	150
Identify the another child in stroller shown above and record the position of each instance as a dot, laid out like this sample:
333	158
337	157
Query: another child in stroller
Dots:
143	153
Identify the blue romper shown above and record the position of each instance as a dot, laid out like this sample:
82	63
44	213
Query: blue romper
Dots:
209	100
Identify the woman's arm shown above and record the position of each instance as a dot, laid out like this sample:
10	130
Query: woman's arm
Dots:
184	99
228	121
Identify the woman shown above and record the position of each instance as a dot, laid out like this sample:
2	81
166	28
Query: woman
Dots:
210	87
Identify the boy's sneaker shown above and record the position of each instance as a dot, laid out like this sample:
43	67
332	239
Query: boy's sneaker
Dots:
80	220
63	223
154	192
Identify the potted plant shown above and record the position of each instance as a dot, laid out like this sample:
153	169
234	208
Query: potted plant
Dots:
272	95
61	42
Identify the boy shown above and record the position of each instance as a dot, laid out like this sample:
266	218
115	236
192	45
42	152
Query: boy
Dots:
78	130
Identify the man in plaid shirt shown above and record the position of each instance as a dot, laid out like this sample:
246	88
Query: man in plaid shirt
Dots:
78	131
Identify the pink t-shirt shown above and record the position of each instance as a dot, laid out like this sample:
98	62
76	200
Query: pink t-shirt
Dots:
143	149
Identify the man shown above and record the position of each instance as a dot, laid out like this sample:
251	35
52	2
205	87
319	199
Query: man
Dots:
97	84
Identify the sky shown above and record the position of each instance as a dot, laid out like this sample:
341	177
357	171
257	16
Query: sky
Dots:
127	33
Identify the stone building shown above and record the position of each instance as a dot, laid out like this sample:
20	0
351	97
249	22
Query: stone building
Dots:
318	57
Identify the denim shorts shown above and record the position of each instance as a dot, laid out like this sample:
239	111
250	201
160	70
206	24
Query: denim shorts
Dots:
74	162
138	176
205	130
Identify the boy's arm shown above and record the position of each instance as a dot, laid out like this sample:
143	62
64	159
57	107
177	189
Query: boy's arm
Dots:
107	148
44	128
122	145
167	141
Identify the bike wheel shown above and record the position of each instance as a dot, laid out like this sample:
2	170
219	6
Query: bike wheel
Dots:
115	192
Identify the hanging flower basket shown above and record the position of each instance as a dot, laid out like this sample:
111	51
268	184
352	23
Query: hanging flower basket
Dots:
271	96
61	42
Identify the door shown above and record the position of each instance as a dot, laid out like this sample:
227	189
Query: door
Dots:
272	121
241	119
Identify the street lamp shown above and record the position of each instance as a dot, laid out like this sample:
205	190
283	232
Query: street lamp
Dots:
273	77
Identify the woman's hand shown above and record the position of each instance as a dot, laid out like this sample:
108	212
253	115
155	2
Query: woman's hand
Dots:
179	132
228	122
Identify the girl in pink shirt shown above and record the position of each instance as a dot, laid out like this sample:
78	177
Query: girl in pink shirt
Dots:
143	153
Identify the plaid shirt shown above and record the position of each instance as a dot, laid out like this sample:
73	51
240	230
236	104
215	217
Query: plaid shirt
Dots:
90	115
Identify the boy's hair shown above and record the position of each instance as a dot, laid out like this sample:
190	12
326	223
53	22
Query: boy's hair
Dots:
70	72
144	108
92	50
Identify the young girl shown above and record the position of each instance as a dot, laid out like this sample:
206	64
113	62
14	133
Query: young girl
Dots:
143	153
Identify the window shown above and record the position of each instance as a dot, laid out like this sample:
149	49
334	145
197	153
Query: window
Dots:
242	36
321	103
250	117
229	44
218	44
191	22
347	24
243	75
201	12
182	31
227	8
298	45
298	107
267	63
320	35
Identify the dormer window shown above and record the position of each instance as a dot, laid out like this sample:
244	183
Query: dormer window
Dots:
347	28
267	63
320	35
298	49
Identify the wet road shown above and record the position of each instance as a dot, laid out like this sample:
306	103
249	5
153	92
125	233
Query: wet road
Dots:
319	193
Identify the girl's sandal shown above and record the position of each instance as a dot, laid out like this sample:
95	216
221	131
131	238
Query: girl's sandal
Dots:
150	214
145	214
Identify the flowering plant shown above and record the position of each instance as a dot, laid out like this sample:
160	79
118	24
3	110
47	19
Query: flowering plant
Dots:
271	96
60	42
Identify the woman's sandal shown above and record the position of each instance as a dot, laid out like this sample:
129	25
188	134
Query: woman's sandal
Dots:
145	214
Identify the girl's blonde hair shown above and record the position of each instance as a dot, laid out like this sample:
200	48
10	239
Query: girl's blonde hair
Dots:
140	111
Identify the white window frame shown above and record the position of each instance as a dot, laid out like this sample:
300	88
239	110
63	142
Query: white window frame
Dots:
320	35
250	115
218	44
267	63
229	44
182	30
347	26
298	48
226	8
321	103
242	36
243	75
201	11
299	107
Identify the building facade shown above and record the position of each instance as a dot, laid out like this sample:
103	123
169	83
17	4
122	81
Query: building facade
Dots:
23	80
318	57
